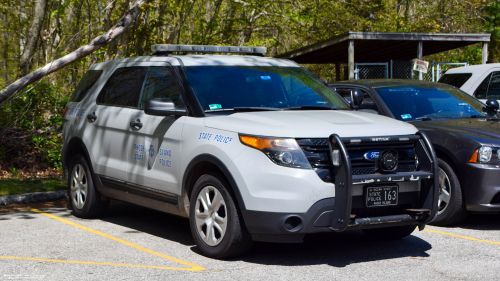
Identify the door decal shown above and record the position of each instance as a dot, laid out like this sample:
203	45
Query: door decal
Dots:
151	151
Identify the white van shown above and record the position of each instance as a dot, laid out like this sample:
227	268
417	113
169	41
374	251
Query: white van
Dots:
481	81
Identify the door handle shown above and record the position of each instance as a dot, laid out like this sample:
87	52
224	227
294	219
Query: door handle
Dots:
92	117
136	124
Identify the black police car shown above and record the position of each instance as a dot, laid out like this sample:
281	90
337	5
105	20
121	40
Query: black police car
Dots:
465	134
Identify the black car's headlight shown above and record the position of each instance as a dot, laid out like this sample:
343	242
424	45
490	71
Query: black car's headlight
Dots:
484	154
283	152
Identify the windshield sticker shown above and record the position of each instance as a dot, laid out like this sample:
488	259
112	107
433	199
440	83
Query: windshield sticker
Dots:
406	116
265	77
215	106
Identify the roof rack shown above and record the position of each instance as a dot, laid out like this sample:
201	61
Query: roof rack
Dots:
165	49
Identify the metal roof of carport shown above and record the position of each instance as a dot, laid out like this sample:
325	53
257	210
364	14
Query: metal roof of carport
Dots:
382	47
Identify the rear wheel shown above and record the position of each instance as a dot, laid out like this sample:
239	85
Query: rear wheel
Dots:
84	198
390	233
216	223
451	205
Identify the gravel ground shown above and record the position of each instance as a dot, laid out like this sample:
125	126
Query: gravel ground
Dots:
165	238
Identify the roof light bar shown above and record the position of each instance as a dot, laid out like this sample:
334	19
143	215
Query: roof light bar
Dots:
207	49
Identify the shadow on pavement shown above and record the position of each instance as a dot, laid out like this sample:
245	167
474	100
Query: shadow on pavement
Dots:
480	222
141	219
336	249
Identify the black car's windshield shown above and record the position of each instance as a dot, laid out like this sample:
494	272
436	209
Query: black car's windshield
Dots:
424	102
228	87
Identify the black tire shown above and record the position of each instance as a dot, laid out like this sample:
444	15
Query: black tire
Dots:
236	240
93	205
455	210
390	233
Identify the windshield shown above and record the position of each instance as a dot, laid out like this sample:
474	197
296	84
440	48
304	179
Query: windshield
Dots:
227	87
437	101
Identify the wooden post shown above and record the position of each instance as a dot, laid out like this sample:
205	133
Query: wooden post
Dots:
337	72
485	52
350	59
419	56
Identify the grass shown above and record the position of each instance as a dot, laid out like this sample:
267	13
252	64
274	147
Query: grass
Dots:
29	185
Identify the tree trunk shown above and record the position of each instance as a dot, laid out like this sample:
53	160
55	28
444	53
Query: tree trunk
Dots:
115	32
33	34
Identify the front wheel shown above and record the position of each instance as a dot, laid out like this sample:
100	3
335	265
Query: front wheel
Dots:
216	224
451	204
390	233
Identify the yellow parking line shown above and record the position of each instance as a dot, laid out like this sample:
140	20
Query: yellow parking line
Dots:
193	267
98	263
461	236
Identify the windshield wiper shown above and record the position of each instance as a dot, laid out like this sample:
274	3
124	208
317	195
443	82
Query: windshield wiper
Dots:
313	107
423	119
248	109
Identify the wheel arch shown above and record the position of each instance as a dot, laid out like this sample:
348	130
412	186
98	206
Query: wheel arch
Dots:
75	146
206	163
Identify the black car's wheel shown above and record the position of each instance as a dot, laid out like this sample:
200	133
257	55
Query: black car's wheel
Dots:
216	224
84	198
451	204
390	233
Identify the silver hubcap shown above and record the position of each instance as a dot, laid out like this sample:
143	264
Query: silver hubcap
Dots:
211	216
79	186
444	191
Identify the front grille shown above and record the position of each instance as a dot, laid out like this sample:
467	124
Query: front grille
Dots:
317	152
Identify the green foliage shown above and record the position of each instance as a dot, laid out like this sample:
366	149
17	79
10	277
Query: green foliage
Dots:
279	25
15	185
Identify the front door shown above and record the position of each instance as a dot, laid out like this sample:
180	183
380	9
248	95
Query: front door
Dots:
155	148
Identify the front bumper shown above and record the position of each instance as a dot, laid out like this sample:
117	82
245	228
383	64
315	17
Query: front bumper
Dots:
480	183
347	211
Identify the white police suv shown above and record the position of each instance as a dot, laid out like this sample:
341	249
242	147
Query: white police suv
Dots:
248	148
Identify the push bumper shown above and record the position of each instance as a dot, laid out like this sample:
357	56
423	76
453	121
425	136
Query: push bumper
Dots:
481	185
337	214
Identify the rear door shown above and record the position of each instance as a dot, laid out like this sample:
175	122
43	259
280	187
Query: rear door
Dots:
155	148
117	100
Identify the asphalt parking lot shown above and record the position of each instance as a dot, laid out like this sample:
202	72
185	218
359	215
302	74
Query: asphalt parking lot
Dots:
135	243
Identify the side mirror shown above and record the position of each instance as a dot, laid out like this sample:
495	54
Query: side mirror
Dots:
492	104
356	97
162	107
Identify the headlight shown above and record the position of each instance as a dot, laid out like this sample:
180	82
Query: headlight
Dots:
482	155
284	152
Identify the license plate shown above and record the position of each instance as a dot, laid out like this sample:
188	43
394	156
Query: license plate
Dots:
381	196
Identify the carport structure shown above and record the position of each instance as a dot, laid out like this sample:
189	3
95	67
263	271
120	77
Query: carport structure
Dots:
372	47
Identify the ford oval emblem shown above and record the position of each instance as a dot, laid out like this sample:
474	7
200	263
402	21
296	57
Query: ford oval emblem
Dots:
372	155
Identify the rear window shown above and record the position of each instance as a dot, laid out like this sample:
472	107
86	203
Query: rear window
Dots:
88	80
123	87
456	79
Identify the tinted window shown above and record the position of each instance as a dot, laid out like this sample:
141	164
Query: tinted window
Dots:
123	87
482	90
226	87
494	88
88	80
161	82
457	79
418	102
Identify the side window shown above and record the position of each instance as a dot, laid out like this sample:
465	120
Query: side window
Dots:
494	88
88	80
123	87
367	103
482	90
161	82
